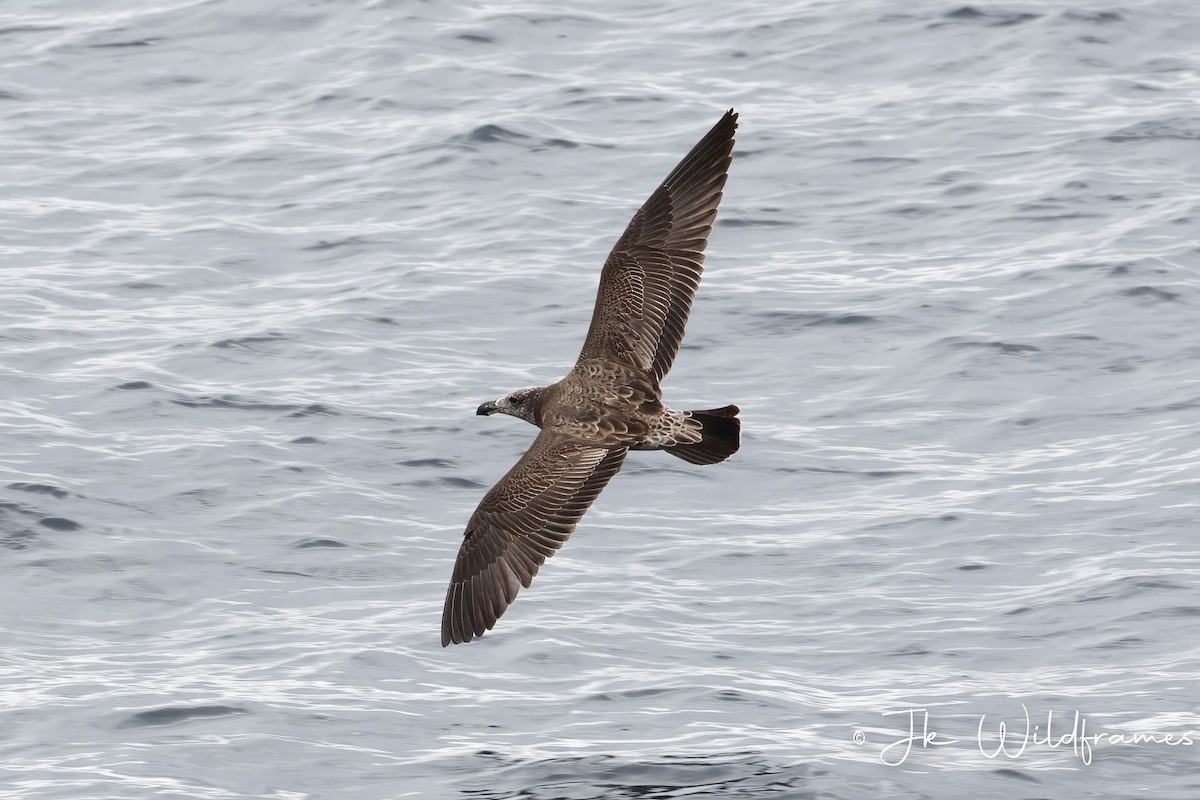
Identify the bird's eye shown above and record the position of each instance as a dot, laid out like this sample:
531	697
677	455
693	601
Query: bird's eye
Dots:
518	400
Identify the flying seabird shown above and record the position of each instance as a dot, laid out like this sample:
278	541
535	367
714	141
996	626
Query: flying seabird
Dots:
608	404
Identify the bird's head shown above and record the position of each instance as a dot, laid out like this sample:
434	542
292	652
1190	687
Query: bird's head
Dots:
522	404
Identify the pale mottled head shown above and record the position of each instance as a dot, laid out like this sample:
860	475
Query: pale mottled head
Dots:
521	404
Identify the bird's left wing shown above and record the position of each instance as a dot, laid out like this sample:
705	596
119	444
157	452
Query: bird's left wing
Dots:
520	523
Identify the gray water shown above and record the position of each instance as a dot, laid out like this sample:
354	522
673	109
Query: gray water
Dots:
262	260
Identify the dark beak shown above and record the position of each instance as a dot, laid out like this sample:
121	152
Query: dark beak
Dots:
487	409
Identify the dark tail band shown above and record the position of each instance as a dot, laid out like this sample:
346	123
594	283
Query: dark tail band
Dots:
722	432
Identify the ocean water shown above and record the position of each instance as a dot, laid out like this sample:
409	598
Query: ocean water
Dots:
262	260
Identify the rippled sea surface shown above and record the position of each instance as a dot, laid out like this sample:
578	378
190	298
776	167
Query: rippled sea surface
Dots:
262	260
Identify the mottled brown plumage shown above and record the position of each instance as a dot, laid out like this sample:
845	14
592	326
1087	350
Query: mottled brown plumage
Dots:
608	404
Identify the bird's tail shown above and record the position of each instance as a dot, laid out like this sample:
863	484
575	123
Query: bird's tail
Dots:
722	434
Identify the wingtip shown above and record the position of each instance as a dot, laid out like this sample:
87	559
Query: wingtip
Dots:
726	126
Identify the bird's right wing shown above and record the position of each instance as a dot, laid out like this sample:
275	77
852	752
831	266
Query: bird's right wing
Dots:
521	522
651	275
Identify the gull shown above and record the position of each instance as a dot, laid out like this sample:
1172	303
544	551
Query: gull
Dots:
608	404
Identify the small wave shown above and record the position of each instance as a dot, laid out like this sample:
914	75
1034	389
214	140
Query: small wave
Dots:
1187	129
173	715
991	19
